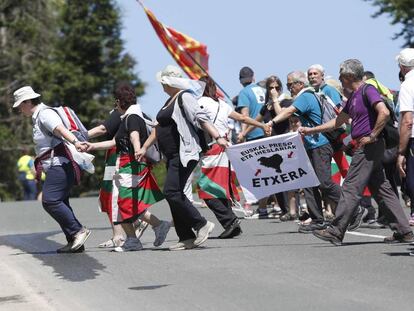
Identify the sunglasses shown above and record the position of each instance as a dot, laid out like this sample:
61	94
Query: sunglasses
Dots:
290	84
277	88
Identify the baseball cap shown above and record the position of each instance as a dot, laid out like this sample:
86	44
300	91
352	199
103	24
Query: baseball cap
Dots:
246	75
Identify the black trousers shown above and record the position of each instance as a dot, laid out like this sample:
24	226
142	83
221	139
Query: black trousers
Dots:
222	209
186	217
283	201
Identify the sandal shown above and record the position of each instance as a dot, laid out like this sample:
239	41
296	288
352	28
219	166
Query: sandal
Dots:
288	217
112	243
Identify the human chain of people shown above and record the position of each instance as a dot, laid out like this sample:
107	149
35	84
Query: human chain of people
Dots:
274	146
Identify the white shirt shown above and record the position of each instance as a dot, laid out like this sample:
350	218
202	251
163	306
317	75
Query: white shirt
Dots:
406	96
221	109
44	122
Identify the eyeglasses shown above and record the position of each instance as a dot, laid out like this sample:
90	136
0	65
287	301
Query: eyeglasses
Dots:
277	87
290	84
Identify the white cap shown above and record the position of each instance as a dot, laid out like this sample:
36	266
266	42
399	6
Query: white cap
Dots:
169	71
406	57
22	94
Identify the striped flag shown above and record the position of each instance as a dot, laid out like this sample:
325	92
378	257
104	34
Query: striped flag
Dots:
190	54
217	179
128	188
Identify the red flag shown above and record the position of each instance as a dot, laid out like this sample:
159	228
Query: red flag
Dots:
189	54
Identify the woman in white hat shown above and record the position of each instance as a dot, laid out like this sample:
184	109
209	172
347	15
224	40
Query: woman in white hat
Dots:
176	132
54	157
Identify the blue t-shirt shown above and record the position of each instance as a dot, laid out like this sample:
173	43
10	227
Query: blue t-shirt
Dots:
252	97
332	93
308	105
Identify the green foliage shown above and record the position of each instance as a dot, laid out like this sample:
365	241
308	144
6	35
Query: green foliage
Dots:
402	12
72	53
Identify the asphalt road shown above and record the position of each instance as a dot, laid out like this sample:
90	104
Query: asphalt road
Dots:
269	267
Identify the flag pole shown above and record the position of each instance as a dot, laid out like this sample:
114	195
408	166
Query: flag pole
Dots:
191	57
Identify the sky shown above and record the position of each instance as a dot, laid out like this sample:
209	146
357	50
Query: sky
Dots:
270	36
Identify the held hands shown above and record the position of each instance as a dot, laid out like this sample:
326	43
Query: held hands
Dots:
362	141
303	130
267	129
139	154
222	142
240	137
82	146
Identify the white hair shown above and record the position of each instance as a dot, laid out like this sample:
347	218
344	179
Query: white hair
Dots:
298	76
317	67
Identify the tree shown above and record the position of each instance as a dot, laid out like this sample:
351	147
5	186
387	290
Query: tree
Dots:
402	12
26	31
69	51
87	62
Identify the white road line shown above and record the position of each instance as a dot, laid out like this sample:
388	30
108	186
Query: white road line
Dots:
367	235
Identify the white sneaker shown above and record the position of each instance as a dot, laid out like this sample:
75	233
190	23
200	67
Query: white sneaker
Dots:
80	238
130	245
182	245
203	233
161	232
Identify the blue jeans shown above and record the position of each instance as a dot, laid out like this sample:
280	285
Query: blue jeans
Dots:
56	190
29	187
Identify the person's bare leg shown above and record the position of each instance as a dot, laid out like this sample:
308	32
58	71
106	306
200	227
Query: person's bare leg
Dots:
292	203
118	236
118	232
129	230
151	219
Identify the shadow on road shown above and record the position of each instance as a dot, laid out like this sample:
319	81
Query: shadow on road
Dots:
395	254
149	287
71	267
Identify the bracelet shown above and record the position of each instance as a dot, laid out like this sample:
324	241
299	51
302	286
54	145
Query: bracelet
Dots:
402	153
75	141
218	137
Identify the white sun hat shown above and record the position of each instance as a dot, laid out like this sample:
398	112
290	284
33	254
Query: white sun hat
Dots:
173	76
22	94
406	57
169	71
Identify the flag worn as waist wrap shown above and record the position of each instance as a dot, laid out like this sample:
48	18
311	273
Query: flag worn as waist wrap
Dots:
129	187
217	178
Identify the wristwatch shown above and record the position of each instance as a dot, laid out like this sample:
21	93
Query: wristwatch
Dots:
372	137
75	141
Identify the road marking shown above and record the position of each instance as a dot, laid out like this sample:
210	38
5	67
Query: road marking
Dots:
367	235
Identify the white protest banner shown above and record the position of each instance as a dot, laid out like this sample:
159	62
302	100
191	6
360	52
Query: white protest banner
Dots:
273	164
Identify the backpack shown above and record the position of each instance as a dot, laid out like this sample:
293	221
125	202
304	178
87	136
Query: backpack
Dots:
328	112
390	131
204	139
72	122
153	153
